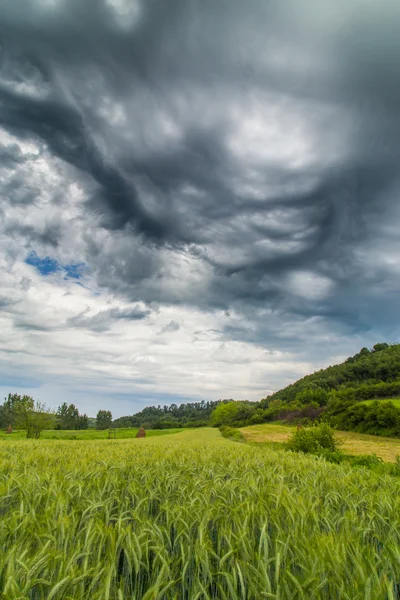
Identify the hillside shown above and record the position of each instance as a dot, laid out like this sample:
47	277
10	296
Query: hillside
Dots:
337	394
368	374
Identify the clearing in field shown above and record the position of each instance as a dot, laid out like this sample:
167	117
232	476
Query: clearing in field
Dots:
351	442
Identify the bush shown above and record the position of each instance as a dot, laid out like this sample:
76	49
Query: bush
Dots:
377	418
314	440
232	434
366	460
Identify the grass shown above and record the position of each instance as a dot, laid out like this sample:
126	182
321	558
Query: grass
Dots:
395	401
87	434
351	442
192	517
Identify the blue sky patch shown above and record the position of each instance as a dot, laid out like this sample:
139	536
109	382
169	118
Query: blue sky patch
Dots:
45	266
48	266
74	270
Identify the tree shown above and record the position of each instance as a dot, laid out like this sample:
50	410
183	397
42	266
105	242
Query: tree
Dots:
9	407
313	439
103	419
232	413
312	394
83	422
68	417
381	346
33	416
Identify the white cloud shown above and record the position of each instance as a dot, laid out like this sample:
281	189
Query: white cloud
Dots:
309	285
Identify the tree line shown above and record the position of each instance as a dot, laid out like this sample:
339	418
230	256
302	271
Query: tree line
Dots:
23	412
190	414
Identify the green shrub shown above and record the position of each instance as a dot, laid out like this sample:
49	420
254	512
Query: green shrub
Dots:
232	434
366	460
313	440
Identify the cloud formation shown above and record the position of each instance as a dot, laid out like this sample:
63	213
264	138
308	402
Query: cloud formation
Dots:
226	174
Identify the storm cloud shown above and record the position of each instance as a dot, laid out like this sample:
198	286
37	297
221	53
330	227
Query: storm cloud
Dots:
231	164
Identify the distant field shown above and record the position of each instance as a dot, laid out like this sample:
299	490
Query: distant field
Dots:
88	434
351	442
395	401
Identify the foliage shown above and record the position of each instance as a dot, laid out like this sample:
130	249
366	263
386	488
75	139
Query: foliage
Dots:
68	417
33	416
9	408
377	367
232	434
313	439
233	414
313	395
103	419
191	414
189	519
334	394
377	418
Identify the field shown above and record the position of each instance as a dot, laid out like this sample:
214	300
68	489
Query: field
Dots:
192	517
86	434
351	442
395	401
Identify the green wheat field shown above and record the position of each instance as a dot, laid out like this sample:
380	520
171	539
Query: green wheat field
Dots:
192	516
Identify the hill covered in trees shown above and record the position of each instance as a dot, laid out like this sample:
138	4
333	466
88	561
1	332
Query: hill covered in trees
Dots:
368	374
336	394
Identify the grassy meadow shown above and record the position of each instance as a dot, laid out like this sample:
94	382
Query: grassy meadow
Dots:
86	434
395	401
192	516
351	442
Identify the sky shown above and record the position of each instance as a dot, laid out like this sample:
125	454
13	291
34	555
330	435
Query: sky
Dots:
199	199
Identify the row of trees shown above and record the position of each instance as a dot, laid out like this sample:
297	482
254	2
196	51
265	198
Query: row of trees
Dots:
23	412
68	417
191	414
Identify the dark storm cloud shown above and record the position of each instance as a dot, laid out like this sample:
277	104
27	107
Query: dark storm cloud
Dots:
102	320
10	155
167	180
47	235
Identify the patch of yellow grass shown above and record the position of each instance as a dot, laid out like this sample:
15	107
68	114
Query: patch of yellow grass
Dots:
351	442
